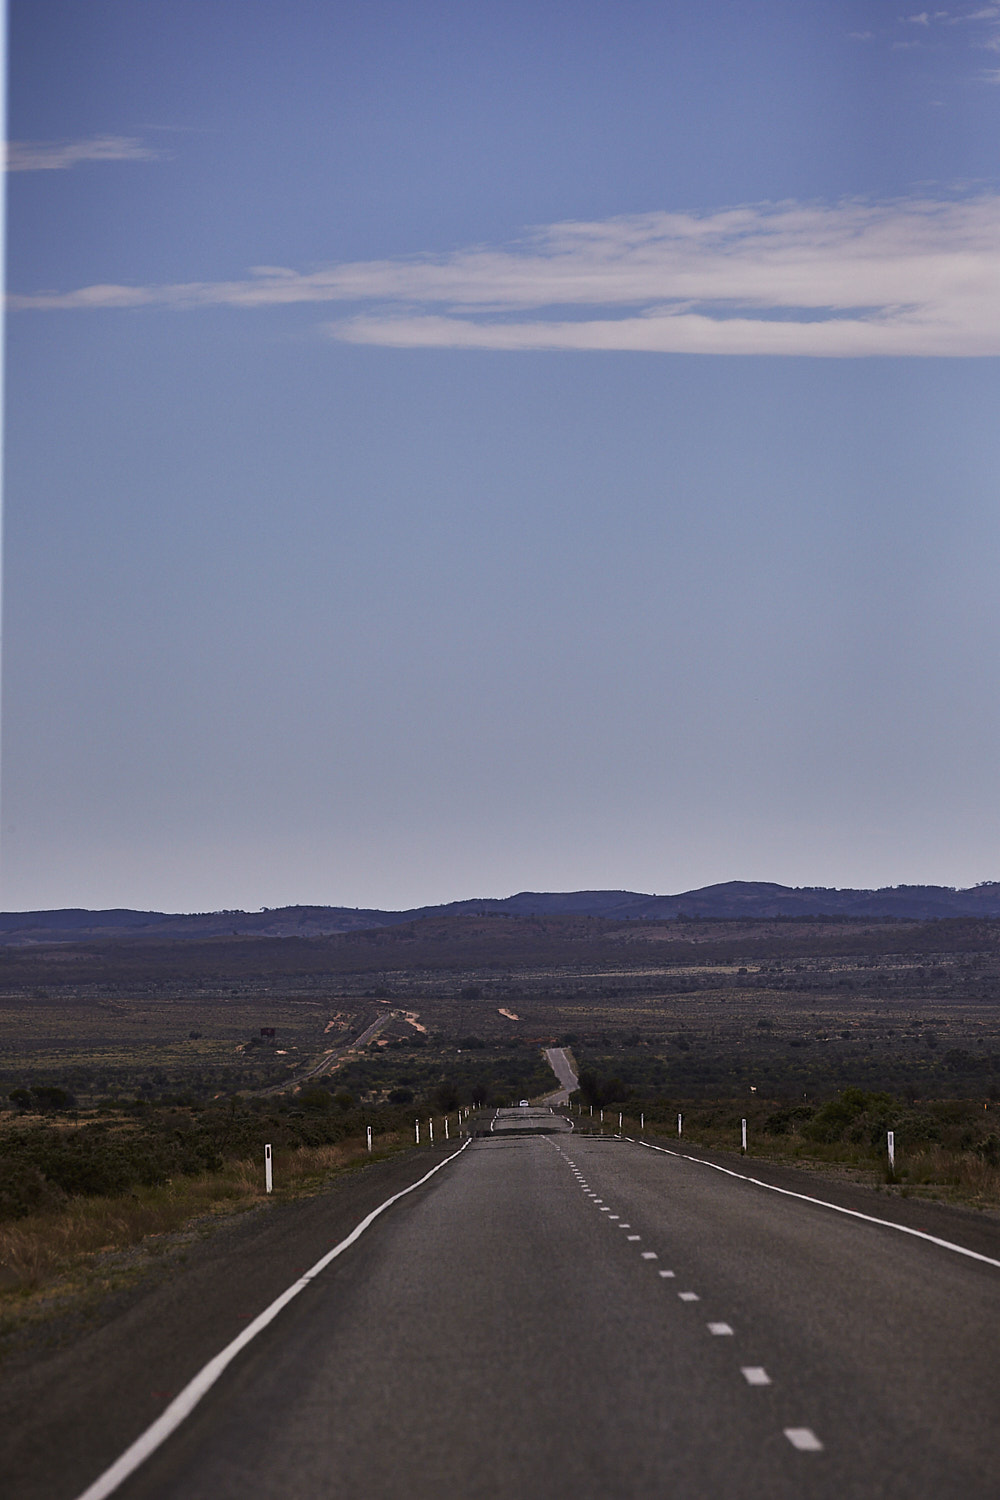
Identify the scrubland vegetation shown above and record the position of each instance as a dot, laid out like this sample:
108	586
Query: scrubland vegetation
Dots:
947	1149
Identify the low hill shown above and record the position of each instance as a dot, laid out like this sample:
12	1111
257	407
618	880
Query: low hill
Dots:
733	900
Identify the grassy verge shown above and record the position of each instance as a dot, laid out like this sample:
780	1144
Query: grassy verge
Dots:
923	1168
92	1244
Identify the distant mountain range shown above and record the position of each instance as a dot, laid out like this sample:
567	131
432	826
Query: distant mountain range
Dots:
735	899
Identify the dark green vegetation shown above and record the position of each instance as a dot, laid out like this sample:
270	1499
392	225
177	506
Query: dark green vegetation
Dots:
115	1150
445	1077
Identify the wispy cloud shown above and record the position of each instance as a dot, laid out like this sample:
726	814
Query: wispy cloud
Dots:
987	13
54	156
854	278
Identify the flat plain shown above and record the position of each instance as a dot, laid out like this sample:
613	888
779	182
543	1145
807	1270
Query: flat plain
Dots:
780	1006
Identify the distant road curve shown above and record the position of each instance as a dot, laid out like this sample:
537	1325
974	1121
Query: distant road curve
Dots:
563	1069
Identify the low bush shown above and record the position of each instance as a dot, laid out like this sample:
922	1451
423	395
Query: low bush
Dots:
137	1145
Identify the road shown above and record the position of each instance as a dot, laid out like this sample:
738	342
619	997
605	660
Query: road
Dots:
330	1060
578	1317
561	1066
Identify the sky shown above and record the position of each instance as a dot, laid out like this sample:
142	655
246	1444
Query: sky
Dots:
457	449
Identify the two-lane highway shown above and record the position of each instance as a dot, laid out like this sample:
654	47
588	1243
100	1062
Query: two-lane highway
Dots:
562	1316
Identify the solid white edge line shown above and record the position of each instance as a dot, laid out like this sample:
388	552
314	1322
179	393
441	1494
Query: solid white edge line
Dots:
171	1418
853	1213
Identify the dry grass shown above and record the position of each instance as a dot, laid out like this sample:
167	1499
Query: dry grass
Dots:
57	1252
960	1175
927	1171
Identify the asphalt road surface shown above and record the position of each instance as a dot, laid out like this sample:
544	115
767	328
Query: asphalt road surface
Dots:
564	1071
568	1317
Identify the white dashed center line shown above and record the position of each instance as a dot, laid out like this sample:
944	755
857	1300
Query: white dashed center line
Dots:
804	1439
801	1438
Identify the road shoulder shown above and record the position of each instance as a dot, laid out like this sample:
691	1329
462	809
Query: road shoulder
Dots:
82	1386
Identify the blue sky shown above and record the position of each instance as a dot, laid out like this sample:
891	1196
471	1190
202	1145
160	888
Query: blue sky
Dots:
457	449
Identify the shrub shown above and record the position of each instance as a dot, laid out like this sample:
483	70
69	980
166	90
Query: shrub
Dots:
45	1098
838	1117
317	1099
446	1097
785	1120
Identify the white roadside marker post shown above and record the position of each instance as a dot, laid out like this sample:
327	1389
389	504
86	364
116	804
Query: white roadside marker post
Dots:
268	1179
446	1135
642	1123
680	1124
743	1136
619	1124
602	1117
369	1138
891	1143
416	1126
430	1132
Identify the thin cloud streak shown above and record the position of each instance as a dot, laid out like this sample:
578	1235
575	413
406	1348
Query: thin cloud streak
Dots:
913	277
54	156
683	333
